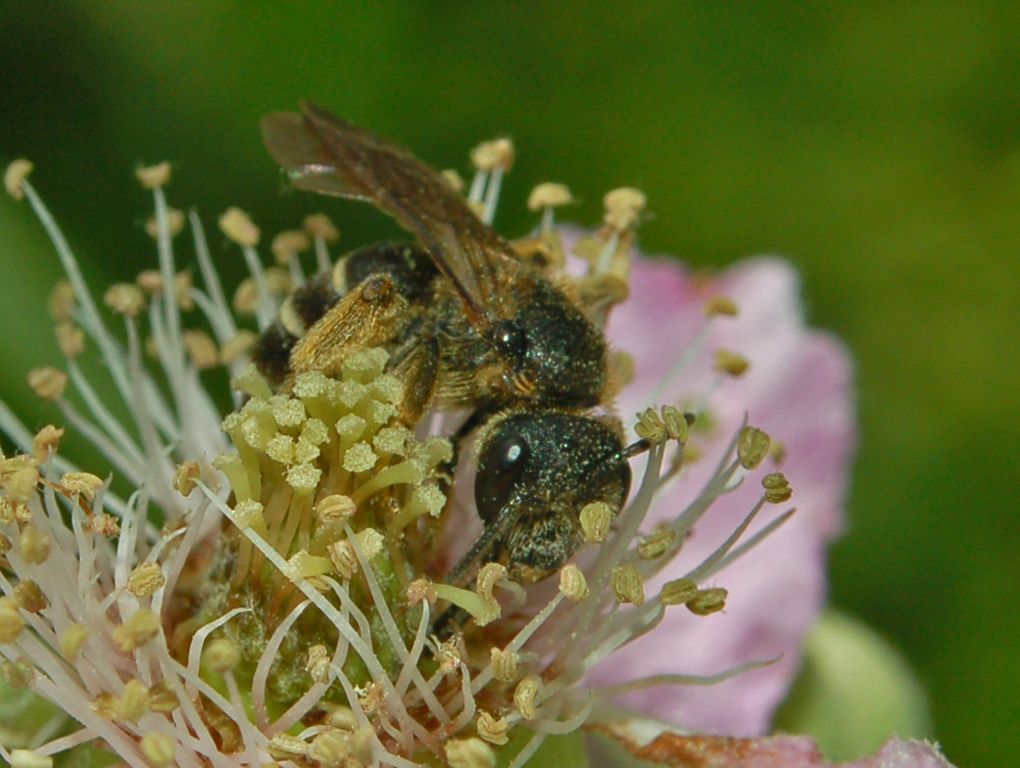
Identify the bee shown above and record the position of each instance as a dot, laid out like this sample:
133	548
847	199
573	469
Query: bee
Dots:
470	325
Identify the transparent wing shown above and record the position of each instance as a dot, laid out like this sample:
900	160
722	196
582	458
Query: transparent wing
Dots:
326	154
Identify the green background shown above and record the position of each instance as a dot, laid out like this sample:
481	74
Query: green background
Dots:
876	145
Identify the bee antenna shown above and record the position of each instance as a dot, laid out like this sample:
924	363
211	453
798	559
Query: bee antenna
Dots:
634	449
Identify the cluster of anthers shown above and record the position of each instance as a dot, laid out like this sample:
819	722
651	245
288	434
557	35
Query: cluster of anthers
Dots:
263	588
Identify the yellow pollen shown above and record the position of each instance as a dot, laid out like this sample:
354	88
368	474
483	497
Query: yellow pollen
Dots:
344	559
140	628
238	226
359	458
623	207
651	427
246	297
46	442
150	281
15	176
677	423
628	585
317	665
175	223
153	176
421	590
145	579
320	225
335	508
103	525
47	383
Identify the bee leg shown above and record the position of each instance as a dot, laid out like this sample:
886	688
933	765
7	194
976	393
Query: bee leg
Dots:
367	316
416	364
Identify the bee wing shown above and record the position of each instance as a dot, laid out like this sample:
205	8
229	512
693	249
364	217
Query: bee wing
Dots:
326	154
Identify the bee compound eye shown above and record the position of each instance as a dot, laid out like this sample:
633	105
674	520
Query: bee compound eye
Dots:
500	468
510	340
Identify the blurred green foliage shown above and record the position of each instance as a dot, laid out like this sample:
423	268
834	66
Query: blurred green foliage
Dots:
875	144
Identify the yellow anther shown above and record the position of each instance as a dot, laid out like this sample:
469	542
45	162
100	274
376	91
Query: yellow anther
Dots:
317	665
453	180
233	349
344	559
150	281
140	628
153	176
651	427
752	447
18	674
83	483
596	519
526	697
162	698
419	591
283	746
70	339
221	655
359	458
15	176
288	244
19	478
186	477
34	545
448	655
777	488
730	363
30	597
623	207
47	383
677	423
133	702
549	195
60	303
706	601
27	758
491	729
489	575
158	749
489	155
174	220
320	225
573	584
656	544
202	350
71	641
330	748
504	664
720	306
628	585
469	753
103	525
145	579
11	620
238	226
678	591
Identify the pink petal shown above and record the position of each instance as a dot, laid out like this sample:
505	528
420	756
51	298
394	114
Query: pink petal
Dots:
799	389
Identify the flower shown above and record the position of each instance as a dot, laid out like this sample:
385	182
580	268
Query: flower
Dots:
266	584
